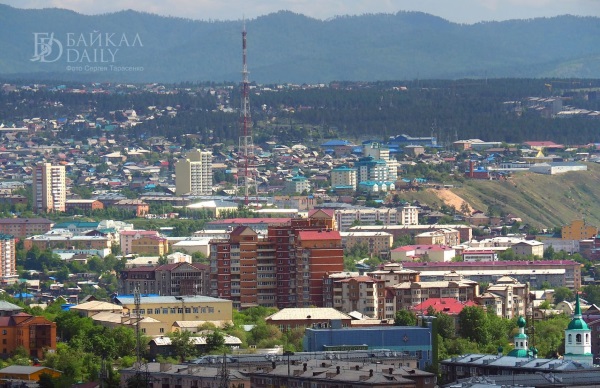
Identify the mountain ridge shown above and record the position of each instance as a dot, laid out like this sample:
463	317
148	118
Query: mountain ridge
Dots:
289	47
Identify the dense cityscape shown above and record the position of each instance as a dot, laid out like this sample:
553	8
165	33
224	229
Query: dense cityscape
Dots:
415	233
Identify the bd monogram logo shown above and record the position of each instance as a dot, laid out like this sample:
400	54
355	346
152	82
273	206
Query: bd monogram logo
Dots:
46	47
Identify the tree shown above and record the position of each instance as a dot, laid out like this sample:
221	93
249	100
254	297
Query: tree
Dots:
474	324
445	325
214	341
405	318
592	293
181	341
563	293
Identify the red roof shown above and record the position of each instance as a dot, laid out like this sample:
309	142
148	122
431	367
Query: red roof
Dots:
319	235
448	306
360	279
550	144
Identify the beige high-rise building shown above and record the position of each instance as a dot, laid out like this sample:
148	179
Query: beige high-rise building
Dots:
8	258
193	175
49	188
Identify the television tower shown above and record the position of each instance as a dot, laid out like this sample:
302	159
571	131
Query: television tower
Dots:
246	162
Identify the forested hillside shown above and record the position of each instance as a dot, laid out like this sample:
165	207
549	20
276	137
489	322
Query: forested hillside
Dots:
287	47
449	110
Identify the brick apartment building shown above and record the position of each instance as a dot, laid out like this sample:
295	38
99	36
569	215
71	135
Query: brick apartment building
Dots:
178	279
283	269
23	227
36	334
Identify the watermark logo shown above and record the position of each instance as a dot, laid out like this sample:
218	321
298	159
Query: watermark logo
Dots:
90	52
46	47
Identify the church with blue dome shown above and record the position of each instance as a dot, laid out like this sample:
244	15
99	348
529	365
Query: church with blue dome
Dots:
523	360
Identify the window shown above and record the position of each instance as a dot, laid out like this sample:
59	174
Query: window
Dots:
162	330
165	310
156	311
3	332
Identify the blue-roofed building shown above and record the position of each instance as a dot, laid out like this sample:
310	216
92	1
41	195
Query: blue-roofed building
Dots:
338	147
404	140
414	341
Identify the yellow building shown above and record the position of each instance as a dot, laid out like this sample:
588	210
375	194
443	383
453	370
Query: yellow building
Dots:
169	309
376	242
26	373
578	230
150	245
193	175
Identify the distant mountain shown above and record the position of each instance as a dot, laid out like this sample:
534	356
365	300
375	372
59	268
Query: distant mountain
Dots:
287	47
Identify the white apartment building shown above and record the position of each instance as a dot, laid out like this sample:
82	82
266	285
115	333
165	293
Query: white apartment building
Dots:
344	177
193	175
49	188
8	258
409	215
379	151
365	216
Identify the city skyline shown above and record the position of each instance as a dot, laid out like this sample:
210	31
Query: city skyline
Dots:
459	11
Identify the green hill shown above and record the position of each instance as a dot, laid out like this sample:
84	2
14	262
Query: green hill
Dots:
543	201
288	47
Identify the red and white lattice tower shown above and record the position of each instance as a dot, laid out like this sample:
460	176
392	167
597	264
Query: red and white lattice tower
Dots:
246	160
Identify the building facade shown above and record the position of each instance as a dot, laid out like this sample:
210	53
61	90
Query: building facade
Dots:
178	279
347	218
344	178
8	258
193	175
578	230
49	188
23	227
283	269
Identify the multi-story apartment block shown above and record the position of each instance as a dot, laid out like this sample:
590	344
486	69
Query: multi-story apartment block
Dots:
23	227
127	238
409	215
170	309
178	279
361	293
578	230
412	294
370	169
381	152
512	295
346	218
64	241
465	231
297	184
49	188
317	253
378	243
559	273
8	260
442	236
150	245
283	269
85	205
394	273
193	175
344	177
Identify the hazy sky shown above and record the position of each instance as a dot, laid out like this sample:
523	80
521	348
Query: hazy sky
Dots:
462	11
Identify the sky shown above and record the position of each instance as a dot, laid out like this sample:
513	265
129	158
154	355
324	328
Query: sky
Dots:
459	11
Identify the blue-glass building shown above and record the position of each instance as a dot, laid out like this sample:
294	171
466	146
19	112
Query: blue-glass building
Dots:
416	341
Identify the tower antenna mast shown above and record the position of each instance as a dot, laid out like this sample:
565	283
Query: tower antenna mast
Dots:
246	168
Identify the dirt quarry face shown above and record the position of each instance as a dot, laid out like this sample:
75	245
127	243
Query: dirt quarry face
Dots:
450	199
